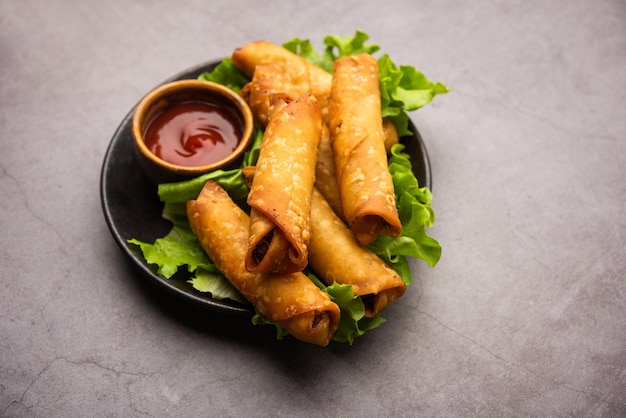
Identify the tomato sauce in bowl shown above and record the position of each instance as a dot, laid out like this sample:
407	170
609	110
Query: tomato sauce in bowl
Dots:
193	134
186	128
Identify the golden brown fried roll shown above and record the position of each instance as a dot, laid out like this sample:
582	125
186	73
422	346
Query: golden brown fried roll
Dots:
390	135
335	256
280	195
298	69
325	177
291	300
268	81
356	130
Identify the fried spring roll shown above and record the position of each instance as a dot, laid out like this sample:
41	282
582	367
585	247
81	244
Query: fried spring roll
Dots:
291	300
335	256
355	124
325	177
267	82
298	69
390	134
260	93
280	195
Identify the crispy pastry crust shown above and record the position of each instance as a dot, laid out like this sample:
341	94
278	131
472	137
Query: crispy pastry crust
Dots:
298	69
335	256
280	195
356	130
267	82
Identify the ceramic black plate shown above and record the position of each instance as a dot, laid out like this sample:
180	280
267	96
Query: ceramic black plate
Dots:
132	208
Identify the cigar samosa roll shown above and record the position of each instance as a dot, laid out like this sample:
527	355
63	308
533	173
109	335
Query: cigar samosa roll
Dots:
325	178
268	81
280	195
335	256
290	300
260	93
299	70
355	123
390	135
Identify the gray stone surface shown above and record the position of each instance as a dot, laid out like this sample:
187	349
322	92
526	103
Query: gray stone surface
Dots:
525	315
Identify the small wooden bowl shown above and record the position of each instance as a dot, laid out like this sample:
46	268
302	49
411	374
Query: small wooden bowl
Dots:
176	93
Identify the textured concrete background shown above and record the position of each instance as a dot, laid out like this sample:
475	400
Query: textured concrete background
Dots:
525	315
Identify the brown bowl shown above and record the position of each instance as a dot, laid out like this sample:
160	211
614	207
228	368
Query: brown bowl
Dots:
177	94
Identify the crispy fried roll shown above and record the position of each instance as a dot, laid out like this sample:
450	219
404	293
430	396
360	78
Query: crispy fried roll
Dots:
267	82
280	195
355	124
335	256
325	177
298	69
390	133
270	81
291	300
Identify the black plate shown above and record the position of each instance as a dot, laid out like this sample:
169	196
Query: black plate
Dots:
132	208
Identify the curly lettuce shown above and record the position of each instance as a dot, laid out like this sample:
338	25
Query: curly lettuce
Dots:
335	47
227	74
416	215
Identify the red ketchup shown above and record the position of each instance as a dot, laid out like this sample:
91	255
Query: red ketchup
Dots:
193	134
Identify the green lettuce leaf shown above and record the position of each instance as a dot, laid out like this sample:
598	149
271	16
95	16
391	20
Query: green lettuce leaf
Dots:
181	192
231	180
227	74
305	49
216	284
352	323
415	213
344	46
251	156
336	47
404	89
178	248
